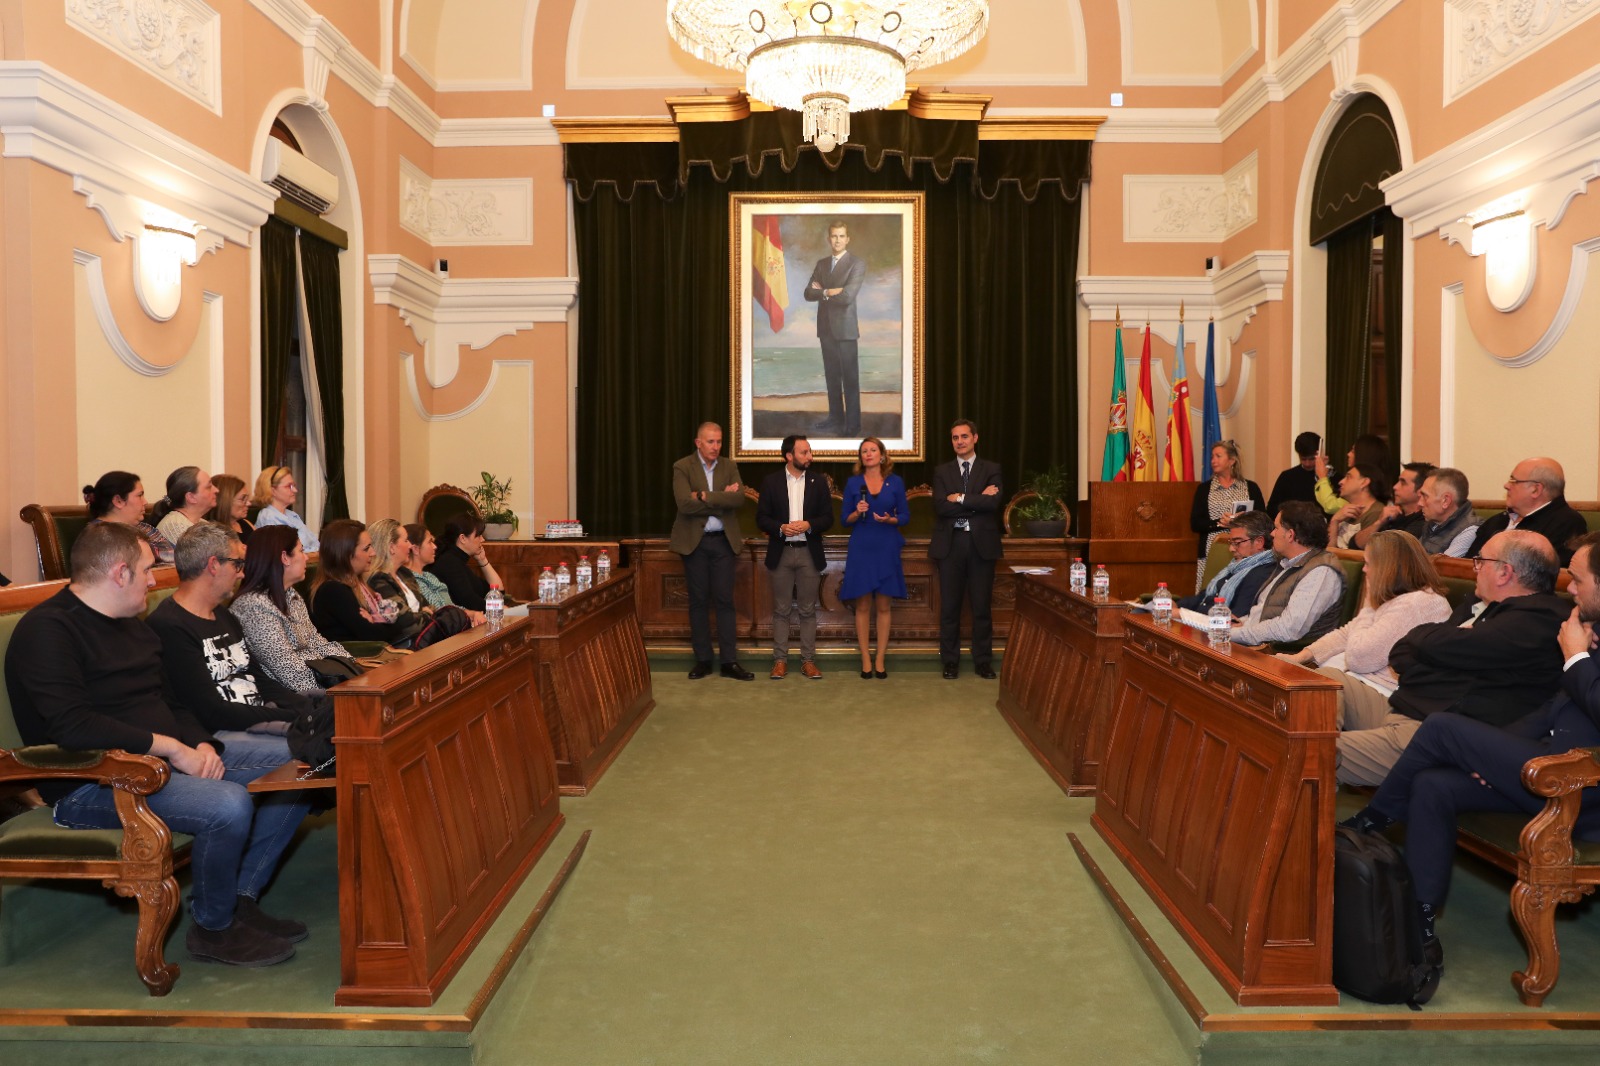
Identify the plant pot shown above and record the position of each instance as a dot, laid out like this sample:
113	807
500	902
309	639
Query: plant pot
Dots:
498	530
1057	528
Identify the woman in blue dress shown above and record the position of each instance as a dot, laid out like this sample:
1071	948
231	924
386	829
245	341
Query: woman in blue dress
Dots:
874	508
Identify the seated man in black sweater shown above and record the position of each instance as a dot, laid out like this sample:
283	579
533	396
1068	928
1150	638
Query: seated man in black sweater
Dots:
85	673
203	649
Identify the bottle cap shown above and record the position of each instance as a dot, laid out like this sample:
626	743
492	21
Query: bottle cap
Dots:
1221	600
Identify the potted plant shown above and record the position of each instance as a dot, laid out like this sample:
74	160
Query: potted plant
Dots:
493	499
1044	515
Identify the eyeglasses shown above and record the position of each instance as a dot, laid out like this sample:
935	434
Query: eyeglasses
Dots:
1523	481
237	564
1479	560
1241	541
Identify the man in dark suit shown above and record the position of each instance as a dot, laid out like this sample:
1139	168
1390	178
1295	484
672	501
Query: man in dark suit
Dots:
705	531
1456	764
835	284
1494	659
1535	500
794	510
966	543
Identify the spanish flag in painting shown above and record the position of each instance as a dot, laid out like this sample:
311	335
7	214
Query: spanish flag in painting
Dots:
770	285
1143	459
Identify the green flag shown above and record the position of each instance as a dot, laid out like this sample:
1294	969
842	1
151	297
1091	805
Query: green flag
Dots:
1114	467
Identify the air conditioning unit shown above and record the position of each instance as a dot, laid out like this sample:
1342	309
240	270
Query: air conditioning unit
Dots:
298	178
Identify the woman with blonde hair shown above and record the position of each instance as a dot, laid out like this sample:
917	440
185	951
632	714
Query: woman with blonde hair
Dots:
874	508
274	495
1220	498
1401	590
232	511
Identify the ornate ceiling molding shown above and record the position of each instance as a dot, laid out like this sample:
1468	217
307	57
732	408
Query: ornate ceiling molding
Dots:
465	211
1484	37
1189	208
177	41
445	313
113	153
1544	153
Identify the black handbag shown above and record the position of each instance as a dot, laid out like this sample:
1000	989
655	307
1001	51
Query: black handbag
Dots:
333	669
310	736
447	621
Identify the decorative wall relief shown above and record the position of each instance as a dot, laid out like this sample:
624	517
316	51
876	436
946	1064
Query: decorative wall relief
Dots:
176	40
474	211
1483	37
1197	208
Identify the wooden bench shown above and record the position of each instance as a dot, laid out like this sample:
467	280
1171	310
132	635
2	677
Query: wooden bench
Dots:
136	861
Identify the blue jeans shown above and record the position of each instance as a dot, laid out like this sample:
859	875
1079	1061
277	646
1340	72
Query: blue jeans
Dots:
237	841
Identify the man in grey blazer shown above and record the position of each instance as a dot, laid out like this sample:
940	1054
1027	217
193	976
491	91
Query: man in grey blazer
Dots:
835	284
965	545
705	531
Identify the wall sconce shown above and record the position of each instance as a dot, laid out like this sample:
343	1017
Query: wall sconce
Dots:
1507	243
162	249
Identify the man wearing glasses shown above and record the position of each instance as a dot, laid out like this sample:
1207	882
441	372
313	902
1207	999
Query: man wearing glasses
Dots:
1535	501
1239	583
1494	659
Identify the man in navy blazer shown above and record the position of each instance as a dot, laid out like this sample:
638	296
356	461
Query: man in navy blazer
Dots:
794	510
835	284
1455	763
965	545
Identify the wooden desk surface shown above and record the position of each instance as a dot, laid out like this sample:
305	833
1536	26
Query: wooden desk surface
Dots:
1217	792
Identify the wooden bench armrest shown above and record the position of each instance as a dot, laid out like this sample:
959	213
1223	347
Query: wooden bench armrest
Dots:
1547	838
137	774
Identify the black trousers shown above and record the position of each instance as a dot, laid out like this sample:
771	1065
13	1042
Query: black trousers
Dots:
1433	782
963	575
841	369
708	574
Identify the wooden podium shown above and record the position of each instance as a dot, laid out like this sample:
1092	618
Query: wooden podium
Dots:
1140	531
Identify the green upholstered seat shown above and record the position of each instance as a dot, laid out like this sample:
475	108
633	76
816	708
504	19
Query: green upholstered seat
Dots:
68	528
1591	519
919	501
1458	590
35	835
1504	831
1217	558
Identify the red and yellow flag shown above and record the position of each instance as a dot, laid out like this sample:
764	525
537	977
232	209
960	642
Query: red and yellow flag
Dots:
1143	457
770	283
1180	435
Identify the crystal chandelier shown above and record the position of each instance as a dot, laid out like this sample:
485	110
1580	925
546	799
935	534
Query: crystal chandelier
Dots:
826	59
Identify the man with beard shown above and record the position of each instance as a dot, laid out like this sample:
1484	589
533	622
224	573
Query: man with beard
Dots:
1455	763
794	510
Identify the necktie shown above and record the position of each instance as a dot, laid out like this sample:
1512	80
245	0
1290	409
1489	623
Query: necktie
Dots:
966	469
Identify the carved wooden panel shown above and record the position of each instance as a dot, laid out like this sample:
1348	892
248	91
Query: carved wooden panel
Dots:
1140	531
663	600
594	677
1217	793
1059	677
447	796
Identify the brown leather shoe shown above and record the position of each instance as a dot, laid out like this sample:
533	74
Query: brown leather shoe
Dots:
809	668
780	670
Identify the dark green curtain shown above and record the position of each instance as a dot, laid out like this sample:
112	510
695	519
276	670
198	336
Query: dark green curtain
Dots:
319	266
1349	334
653	317
277	327
1393	229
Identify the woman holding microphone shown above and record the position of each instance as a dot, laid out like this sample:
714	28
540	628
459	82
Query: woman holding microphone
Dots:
874	508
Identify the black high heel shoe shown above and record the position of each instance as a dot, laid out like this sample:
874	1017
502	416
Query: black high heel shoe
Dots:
880	674
866	675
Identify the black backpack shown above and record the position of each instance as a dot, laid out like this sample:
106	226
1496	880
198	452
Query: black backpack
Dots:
1377	933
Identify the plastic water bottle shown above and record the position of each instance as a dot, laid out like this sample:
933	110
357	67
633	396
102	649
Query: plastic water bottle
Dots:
1161	605
1220	624
1102	583
585	573
563	581
547	586
602	567
494	606
1079	576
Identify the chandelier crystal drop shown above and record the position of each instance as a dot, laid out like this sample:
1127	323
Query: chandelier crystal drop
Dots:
826	59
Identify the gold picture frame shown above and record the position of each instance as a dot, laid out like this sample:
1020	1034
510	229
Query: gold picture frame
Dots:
790	347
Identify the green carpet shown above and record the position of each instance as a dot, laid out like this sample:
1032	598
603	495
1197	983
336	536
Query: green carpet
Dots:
842	871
